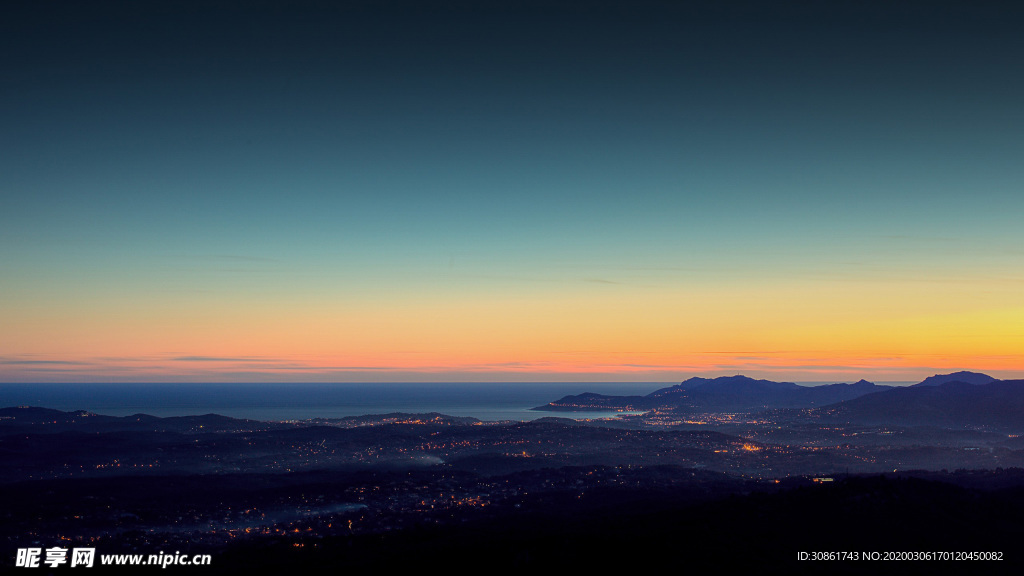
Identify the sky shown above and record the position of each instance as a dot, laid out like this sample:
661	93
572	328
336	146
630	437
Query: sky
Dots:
510	191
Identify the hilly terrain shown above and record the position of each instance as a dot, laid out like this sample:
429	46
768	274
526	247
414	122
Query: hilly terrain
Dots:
725	394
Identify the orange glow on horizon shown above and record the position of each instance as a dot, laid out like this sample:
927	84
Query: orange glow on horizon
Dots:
797	331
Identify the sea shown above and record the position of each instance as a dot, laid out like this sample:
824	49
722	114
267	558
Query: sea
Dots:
488	401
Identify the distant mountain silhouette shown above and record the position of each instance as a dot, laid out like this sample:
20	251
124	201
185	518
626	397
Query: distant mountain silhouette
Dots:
725	385
999	403
35	419
964	376
31	419
725	394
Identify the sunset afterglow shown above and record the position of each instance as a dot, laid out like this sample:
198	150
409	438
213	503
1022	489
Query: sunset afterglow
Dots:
368	197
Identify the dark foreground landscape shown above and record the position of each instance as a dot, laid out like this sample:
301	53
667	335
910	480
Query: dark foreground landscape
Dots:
730	473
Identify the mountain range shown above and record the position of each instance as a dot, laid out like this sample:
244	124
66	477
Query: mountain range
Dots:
954	403
725	394
960	399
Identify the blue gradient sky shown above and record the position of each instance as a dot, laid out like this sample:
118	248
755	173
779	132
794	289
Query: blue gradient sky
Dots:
807	184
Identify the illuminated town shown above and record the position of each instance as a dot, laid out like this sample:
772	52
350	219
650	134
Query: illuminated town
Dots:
225	484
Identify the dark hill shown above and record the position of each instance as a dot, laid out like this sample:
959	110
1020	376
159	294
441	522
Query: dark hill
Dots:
30	419
726	394
963	376
999	404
